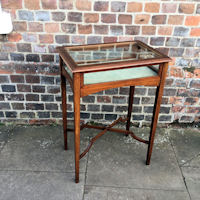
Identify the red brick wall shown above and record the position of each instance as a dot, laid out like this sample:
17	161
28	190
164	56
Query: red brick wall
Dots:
29	81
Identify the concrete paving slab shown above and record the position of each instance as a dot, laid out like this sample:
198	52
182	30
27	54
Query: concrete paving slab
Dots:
192	179
118	161
105	193
40	148
21	185
4	135
186	145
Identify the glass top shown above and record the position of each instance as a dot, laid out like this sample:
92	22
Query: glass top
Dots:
85	58
110	53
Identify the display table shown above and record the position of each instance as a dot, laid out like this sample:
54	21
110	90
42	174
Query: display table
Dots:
93	68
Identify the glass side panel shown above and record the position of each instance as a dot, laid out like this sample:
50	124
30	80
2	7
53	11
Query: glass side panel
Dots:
110	53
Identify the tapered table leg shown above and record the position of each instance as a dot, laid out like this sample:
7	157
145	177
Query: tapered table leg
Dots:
156	110
130	107
77	123
64	104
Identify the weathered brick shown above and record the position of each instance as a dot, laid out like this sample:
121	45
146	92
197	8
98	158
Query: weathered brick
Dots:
104	99
27	115
83	4
110	117
138	117
132	30
165	30
119	100
3	56
32	58
35	27
10	4
8	88
68	28
142	19
4	79
58	16
51	106
15	97
192	21
38	88
19	26
17	78
11	114
187	42
52	27
159	19
195	32
172	41
32	79
24	47
186	8
66	4
91	17
28	37
191	101
74	16
169	7
47	58
53	89
78	39
84	29
195	84
17	106
61	39
56	114
101	29
34	106
88	99
93	107
23	88
175	71
44	114
116	30
101	6
175	19
125	19
32	97
165	118
148	109
108	18
152	7
93	39
109	39
157	41
42	16
39	48
134	7
169	92
107	108
198	9
47	38
49	4
25	15
97	116
4	106
117	6
84	115
186	118
176	52
14	37
148	30
32	5
181	62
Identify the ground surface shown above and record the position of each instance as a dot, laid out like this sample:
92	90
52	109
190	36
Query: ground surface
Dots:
34	166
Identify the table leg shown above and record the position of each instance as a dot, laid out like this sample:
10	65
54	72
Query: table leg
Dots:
77	124
64	104
156	110
130	107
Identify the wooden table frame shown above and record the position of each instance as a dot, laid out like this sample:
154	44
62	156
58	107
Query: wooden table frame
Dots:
81	90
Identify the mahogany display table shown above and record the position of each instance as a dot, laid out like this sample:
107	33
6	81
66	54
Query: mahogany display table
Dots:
93	68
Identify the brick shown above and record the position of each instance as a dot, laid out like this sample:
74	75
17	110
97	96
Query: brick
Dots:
113	91
110	117
11	114
32	58
53	89
195	32
191	101
17	106
148	109
108	18
195	84
116	30
19	26
8	88
157	41
88	99
138	117
4	106
23	88
44	114
3	56
181	62
164	118
4	79
169	7
119	100
8	47
186	8
125	19
121	108
176	72
14	37
159	19
134	7
91	17
46	38
107	108
28	37
117	6
101	6
51	106
187	42
56	114
32	5
47	80
165	30
181	31
39	48
101	29
47	58
97	116
142	39
169	92
10	4
58	16
49	4
15	97
35	27
68	28
142	19
38	88
109	39
83	4
66	4
32	79
195	110
25	15
103	99
93	107
27	115
147	100
163	50
17	78
84	115
84	29
198	9
78	39
75	16
32	97
42	16
148	30
52	27
152	7
192	21
175	19
172	41
34	106
93	39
